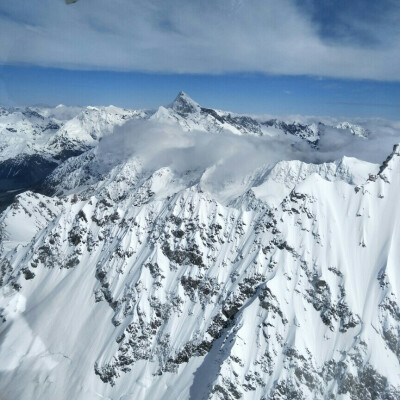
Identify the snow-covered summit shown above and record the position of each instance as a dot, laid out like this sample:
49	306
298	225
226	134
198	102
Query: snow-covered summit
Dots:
355	129
184	105
285	175
35	140
45	131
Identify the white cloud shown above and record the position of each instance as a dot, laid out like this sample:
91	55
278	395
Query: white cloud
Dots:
160	144
183	36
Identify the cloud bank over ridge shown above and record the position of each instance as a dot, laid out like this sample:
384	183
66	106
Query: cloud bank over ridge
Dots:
231	156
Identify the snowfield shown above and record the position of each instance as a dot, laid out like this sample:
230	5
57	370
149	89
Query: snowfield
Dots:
198	254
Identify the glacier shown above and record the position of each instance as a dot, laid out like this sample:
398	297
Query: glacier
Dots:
191	253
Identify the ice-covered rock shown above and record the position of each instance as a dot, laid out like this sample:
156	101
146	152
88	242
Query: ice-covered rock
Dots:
140	283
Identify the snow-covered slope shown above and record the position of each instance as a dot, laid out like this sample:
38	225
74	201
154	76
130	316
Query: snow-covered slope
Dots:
34	140
354	129
191	116
287	174
48	132
162	280
52	131
89	126
24	132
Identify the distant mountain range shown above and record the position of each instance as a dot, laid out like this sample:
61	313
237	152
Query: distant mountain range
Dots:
33	141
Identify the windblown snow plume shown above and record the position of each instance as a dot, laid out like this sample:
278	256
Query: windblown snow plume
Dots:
223	157
191	253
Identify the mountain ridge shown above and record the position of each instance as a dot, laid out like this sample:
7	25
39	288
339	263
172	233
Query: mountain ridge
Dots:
35	140
147	276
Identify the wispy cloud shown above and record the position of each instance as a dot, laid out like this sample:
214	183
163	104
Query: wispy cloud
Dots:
366	23
198	37
159	145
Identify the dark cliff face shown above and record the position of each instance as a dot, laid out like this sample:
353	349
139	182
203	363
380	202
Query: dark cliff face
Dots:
21	174
24	172
28	172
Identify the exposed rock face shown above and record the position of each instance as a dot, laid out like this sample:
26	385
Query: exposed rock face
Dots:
134	282
225	301
34	141
355	130
310	133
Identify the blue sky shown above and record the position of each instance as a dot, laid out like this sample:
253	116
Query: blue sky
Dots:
322	57
250	93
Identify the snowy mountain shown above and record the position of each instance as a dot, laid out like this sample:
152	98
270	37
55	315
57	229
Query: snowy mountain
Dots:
189	255
34	140
354	129
191	115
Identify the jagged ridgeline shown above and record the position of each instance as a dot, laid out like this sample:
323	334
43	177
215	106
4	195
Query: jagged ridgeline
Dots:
34	141
129	279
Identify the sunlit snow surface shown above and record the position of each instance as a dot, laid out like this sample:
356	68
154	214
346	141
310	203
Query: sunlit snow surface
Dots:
181	261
